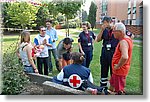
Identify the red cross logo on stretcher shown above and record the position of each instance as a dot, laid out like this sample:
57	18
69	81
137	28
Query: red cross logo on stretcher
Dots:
75	81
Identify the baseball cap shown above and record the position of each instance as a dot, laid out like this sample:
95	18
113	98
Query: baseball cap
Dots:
106	18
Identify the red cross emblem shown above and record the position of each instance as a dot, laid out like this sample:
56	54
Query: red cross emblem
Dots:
75	81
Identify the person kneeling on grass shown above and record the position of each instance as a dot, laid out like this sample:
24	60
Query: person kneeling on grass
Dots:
64	48
77	76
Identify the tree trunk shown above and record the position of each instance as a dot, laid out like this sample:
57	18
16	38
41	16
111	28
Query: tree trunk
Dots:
67	27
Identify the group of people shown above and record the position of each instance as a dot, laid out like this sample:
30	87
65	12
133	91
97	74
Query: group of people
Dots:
74	66
40	52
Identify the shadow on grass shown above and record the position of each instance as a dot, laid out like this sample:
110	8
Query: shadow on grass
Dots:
9	39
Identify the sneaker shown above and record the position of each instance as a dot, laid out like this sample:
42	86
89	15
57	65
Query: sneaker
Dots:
100	91
111	92
105	92
92	91
121	93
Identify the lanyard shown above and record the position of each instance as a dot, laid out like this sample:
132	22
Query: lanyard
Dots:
110	34
88	36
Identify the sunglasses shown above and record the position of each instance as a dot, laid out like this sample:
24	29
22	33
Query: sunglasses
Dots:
48	24
43	30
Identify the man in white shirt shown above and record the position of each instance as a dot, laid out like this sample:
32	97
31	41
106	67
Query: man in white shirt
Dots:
44	40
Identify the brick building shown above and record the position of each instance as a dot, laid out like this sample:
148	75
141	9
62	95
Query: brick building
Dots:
130	12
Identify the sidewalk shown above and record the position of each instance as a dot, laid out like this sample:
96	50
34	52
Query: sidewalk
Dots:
60	33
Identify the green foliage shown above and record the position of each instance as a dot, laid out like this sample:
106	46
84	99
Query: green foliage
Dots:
69	9
6	21
52	9
84	16
42	15
60	18
92	14
20	14
14	78
23	14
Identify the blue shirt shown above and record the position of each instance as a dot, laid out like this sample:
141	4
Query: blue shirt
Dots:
54	37
86	40
108	38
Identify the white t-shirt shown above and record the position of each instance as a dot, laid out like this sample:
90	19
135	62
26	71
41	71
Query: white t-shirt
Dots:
38	40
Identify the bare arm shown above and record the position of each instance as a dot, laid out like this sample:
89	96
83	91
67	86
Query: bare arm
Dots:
99	36
18	54
29	50
124	52
80	47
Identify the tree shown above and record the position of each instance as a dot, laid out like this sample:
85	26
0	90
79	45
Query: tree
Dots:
84	15
6	22
69	9
42	15
52	9
21	14
60	18
92	14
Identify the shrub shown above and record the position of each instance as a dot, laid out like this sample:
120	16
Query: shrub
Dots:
14	78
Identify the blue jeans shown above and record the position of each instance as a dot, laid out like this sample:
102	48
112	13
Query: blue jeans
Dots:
54	52
28	69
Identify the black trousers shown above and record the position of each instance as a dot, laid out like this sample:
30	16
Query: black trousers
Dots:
87	83
105	61
40	63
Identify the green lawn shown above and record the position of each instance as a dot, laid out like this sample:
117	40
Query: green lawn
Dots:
134	82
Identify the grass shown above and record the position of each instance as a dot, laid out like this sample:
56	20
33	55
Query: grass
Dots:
138	38
134	82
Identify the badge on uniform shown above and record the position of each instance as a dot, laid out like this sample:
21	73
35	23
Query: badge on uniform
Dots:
75	81
89	44
108	46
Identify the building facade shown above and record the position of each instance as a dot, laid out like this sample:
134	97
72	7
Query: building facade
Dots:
130	12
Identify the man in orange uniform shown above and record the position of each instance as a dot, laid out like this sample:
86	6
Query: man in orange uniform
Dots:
121	59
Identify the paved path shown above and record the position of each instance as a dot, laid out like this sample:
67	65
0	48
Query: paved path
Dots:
138	41
60	33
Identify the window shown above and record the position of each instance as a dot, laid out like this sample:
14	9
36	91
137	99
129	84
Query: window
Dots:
134	10
129	11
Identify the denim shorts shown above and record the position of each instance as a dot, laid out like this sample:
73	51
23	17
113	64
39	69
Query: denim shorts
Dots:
28	69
